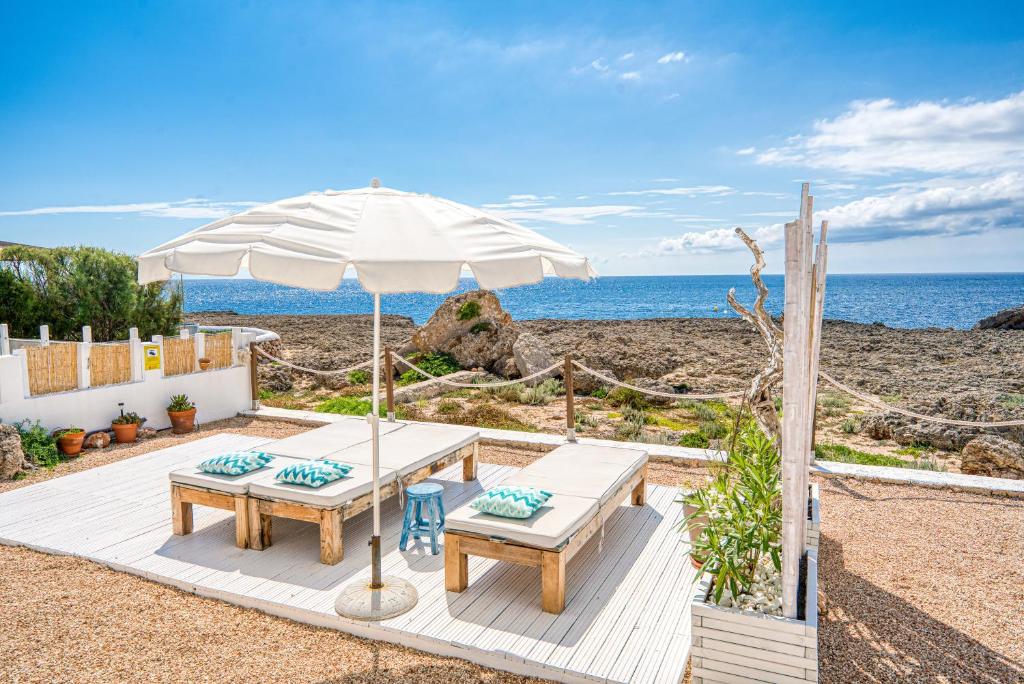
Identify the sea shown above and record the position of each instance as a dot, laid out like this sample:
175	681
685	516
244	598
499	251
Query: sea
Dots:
942	300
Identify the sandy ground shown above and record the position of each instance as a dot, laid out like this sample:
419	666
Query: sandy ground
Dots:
918	585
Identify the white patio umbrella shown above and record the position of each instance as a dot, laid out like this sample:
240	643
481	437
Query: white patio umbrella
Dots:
397	242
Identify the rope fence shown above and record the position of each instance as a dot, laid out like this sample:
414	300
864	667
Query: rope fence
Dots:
313	371
655	393
476	385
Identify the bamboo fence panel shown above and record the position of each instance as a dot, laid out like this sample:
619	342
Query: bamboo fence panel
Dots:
218	349
53	368
110	364
179	355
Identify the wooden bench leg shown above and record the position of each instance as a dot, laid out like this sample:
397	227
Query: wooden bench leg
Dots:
181	512
469	464
640	492
331	549
456	565
241	521
552	582
259	527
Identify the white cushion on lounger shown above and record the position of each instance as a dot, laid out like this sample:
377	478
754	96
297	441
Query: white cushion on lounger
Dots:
325	440
353	485
581	470
549	528
228	484
583	455
411	448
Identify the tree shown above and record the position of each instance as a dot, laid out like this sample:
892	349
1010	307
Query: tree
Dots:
69	287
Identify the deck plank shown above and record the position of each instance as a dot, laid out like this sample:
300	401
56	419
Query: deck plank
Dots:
627	601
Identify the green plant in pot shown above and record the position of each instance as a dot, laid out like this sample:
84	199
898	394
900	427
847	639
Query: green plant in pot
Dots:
126	426
70	440
735	523
182	413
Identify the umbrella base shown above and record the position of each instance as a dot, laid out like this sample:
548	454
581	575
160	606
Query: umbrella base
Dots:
357	601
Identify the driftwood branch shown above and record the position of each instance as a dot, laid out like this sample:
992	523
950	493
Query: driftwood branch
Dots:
759	396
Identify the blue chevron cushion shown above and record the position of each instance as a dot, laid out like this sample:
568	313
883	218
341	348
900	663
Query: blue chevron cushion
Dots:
511	502
235	463
313	473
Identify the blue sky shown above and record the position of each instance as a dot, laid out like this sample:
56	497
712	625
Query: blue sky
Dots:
638	133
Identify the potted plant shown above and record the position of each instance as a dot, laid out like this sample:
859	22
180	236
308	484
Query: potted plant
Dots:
126	427
182	413
205	362
70	440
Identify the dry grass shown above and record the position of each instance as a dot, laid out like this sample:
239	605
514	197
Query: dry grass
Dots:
918	585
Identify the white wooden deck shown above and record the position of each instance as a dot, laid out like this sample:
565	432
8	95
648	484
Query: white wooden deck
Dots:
627	614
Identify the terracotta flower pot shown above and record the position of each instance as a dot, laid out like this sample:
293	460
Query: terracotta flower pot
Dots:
71	444
205	363
182	422
694	529
125	433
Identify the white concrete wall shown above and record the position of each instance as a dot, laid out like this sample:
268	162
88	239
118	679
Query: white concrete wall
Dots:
217	394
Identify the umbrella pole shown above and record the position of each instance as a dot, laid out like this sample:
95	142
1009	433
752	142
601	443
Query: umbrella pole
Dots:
378	597
375	581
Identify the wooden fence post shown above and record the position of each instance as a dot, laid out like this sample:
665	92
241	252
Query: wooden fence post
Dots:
389	380
84	356
5	340
570	400
254	383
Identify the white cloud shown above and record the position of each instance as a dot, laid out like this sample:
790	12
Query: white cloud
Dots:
599	66
630	76
672	57
192	208
746	151
880	136
567	216
627	56
695	191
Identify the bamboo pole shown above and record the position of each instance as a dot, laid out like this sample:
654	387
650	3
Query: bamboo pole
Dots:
570	400
389	380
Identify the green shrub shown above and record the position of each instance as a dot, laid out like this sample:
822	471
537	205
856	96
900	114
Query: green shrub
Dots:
696	440
841	453
713	429
38	445
489	416
623	396
508	393
435	363
481	326
349	406
600	393
359	377
541	394
468	311
704	412
850	426
1013	401
585	420
742	506
447	407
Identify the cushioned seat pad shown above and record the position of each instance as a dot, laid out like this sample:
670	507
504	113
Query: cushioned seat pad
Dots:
411	448
228	484
549	528
328	439
357	483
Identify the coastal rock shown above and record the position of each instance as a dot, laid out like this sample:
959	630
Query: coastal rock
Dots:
585	383
531	355
146	433
968	406
97	440
275	377
473	328
656	386
1008	319
993	456
12	458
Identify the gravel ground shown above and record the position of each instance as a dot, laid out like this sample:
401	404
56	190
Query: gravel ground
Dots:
905	598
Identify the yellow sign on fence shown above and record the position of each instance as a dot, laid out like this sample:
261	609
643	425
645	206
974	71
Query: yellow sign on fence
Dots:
151	354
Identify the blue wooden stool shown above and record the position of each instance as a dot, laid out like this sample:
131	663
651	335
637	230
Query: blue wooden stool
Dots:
424	500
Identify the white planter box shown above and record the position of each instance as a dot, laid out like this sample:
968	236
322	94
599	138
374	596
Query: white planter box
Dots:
814	521
731	645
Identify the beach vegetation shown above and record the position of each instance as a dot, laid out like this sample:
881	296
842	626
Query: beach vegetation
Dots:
435	363
355	406
695	440
506	393
489	416
1012	401
542	393
359	377
468	311
833	404
285	400
70	287
713	429
585	420
600	392
38	445
850	426
447	407
623	396
840	453
479	327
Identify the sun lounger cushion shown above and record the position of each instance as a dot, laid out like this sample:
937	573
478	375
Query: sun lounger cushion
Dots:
411	448
227	484
511	502
549	528
323	441
312	473
336	493
235	463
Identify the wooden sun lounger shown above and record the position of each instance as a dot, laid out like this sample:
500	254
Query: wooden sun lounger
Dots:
588	484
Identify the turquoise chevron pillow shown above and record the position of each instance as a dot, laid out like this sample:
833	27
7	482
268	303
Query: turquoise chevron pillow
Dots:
313	473
235	463
511	502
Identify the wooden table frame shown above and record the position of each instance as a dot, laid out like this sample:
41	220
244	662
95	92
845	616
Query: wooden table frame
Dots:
458	546
331	519
184	496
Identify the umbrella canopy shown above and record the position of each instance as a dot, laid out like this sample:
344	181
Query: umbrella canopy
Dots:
396	242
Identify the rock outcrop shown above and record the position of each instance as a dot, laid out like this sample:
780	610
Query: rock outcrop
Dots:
911	432
531	355
97	440
993	456
473	328
12	458
1008	319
